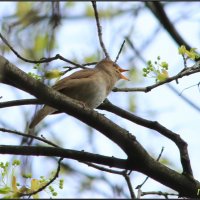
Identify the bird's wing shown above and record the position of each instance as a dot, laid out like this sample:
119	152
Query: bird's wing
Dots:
64	83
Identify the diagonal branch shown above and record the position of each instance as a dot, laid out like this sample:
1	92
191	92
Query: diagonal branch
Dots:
120	50
123	173
29	136
138	158
145	180
157	9
43	60
181	144
99	29
48	183
187	100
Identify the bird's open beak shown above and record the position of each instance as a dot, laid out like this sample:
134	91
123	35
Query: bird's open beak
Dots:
124	77
121	75
123	70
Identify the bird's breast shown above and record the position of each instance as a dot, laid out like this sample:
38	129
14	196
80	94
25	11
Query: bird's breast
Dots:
96	92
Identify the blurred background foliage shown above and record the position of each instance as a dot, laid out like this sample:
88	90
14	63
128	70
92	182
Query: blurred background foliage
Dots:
43	29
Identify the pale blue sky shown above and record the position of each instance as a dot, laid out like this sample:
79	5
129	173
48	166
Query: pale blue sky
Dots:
160	104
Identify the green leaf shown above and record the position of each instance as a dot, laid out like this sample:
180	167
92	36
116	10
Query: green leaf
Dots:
5	190
55	73
23	8
89	12
28	175
35	185
132	104
40	43
190	54
16	162
162	76
69	4
182	50
90	58
164	65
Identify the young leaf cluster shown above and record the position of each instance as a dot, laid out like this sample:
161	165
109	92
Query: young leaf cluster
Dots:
54	73
156	69
188	54
10	188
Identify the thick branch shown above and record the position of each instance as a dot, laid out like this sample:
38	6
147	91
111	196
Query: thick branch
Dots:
16	77
181	144
138	158
182	181
65	153
157	9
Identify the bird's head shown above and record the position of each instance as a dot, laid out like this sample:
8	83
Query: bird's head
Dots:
111	68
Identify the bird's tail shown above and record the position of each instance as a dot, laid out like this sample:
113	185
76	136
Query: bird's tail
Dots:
46	110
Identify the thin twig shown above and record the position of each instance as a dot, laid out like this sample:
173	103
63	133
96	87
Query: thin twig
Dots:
103	168
180	94
42	60
165	194
190	70
139	186
99	30
20	102
128	181
29	136
51	181
91	63
184	61
120	51
45	141
187	100
123	173
154	125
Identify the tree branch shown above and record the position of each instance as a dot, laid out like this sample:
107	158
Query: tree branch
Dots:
165	194
187	100
181	144
99	29
123	173
42	60
120	50
138	158
157	9
65	153
186	72
20	102
29	136
47	184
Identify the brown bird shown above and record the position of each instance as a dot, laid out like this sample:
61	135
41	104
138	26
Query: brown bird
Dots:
89	86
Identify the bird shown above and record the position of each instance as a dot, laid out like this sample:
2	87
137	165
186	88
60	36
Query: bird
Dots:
89	86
